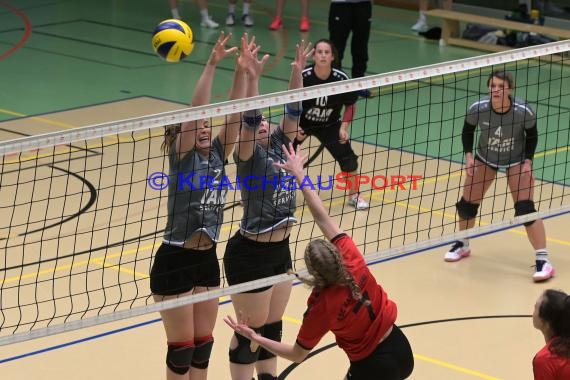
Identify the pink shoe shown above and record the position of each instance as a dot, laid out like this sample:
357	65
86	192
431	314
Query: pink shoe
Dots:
544	271
276	23
304	24
457	252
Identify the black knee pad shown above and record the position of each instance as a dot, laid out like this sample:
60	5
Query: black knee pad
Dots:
243	354
179	357
349	163
266	376
273	331
202	353
524	208
467	210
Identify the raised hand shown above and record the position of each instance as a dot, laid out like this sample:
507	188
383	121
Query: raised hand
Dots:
241	328
294	160
220	51
302	53
255	65
245	58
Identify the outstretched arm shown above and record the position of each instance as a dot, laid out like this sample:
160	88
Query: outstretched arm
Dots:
293	352
293	110
186	139
252	118
294	165
230	130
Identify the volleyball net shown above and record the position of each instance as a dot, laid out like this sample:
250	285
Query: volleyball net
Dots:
83	211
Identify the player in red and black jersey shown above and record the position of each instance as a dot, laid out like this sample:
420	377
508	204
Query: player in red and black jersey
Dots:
346	300
552	317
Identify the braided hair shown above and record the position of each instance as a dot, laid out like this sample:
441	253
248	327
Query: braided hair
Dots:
555	311
326	268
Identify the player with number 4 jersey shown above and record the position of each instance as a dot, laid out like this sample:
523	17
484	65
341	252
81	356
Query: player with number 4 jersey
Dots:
508	137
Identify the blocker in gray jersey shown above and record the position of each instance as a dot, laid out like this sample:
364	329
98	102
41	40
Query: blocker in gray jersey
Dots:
267	203
193	206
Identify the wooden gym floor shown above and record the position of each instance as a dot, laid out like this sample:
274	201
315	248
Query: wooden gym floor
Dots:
68	64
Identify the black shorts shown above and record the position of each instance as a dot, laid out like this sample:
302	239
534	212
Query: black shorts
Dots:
178	270
495	167
248	260
492	166
392	360
328	136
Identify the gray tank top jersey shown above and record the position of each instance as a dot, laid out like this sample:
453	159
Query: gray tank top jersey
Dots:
193	206
502	136
266	207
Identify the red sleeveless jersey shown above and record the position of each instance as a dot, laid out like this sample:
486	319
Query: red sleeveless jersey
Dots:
357	327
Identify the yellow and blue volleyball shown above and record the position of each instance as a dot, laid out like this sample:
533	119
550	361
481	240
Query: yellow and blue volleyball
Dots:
172	40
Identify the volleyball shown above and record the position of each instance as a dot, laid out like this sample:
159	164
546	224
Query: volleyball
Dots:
172	40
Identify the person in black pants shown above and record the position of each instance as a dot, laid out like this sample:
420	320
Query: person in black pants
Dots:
346	16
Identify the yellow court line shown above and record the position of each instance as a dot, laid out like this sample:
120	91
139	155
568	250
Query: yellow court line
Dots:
120	268
39	118
378	195
424	358
518	231
295	321
454	367
95	260
8	112
552	151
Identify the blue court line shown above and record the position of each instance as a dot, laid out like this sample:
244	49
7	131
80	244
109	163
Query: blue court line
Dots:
83	340
74	342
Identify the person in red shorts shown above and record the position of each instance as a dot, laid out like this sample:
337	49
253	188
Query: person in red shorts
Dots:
346	300
552	317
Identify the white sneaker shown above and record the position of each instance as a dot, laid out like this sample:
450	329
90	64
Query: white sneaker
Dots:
544	271
358	203
457	252
209	23
247	20
420	26
230	19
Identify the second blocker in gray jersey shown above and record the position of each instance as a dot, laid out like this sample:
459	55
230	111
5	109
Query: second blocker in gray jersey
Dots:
268	193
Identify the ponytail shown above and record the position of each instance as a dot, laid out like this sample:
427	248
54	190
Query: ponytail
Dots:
170	133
